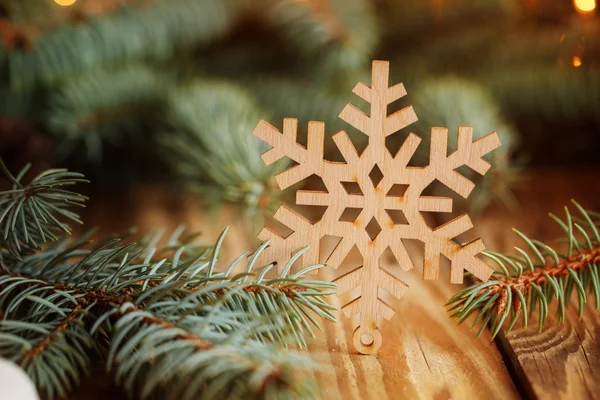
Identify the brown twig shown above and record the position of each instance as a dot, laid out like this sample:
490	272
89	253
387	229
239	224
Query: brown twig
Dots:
43	344
90	296
199	343
576	262
288	290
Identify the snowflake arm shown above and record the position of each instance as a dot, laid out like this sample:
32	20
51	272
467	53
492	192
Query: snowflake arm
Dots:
309	159
280	248
442	167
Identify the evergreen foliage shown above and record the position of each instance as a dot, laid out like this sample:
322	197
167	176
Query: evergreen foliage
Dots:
211	149
531	279
167	322
155	31
106	73
105	106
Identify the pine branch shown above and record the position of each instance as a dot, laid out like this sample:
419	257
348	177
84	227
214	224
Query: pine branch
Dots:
210	149
340	35
42	344
425	14
105	105
154	31
174	359
47	337
31	214
152	309
532	279
112	274
265	311
39	17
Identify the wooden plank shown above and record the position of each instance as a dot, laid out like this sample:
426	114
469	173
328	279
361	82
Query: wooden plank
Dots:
563	361
427	355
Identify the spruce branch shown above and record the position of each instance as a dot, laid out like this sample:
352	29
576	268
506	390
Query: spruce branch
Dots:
340	34
258	310
161	352
210	148
533	278
105	105
164	315
48	338
35	213
155	31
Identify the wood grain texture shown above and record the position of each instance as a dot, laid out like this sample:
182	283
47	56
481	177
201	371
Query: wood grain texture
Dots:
374	173
562	361
427	355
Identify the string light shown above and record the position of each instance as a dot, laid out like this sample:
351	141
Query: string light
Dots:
64	2
584	6
576	61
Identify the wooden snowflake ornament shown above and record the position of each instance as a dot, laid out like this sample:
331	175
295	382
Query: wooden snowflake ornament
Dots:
377	201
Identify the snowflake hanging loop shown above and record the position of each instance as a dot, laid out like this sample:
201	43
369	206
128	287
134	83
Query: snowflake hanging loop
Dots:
367	284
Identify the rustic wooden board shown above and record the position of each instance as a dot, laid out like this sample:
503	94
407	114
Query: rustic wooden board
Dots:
427	356
563	361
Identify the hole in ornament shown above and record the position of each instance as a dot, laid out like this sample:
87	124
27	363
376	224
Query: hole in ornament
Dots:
367	339
311	213
376	175
350	214
352	187
467	172
389	263
315	183
415	249
277	227
397	217
438	189
353	260
373	228
327	245
436	219
432	219
397	190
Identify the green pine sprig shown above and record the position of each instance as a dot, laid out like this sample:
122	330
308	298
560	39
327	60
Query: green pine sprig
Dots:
168	321
35	213
531	279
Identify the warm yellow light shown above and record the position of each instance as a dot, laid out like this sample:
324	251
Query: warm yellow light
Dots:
69	2
576	61
585	6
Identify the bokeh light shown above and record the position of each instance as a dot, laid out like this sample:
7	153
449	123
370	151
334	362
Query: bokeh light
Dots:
65	2
585	6
576	61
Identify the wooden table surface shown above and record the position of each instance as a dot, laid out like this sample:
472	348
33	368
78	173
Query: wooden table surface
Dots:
425	355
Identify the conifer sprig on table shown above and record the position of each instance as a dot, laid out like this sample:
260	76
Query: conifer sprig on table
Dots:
533	278
29	214
167	321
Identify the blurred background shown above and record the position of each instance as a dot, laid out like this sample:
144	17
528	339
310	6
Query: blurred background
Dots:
166	93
